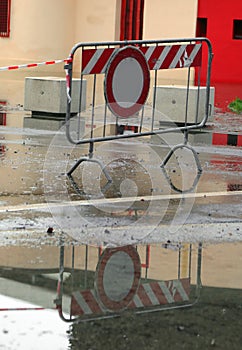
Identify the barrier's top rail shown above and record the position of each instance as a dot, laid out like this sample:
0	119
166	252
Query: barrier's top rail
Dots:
126	67
140	42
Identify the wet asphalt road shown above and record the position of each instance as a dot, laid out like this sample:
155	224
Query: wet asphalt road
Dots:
33	171
34	223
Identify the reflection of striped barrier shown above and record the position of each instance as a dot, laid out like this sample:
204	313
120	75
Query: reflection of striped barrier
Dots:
121	129
85	303
22	309
160	293
227	139
148	295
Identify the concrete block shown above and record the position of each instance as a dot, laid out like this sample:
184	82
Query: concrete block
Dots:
48	94
171	102
43	124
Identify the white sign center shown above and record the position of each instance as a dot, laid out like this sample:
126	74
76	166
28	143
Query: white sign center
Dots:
128	80
118	276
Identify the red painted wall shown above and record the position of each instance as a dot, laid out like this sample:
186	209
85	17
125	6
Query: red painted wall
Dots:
227	61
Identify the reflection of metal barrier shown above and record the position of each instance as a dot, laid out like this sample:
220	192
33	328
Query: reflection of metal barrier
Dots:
102	286
123	79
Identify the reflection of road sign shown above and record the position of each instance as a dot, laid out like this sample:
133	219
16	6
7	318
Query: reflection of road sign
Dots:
127	81
118	285
117	277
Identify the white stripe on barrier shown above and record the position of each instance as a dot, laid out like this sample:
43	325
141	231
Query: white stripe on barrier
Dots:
178	285
149	52
194	52
82	302
151	295
162	57
137	301
93	61
178	56
166	292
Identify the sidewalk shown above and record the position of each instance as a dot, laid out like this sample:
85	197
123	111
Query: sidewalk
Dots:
224	130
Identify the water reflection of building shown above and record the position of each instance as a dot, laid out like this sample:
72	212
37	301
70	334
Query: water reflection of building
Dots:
31	274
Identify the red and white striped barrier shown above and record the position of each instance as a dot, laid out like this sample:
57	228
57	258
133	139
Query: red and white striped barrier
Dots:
148	295
161	293
175	56
95	61
32	65
23	309
228	139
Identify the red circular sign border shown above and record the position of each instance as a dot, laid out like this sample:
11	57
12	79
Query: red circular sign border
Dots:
113	105
99	287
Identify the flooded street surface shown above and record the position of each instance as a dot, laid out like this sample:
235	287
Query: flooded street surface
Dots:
54	231
37	194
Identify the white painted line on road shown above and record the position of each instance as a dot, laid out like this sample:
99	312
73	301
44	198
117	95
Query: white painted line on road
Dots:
108	201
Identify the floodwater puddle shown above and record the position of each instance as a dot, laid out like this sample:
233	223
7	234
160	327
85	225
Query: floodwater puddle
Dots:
53	286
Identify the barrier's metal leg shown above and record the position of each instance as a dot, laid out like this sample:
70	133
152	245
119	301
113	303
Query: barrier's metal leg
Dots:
87	159
76	165
90	159
199	168
199	268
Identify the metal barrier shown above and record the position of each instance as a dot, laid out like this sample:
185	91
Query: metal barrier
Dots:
123	79
104	283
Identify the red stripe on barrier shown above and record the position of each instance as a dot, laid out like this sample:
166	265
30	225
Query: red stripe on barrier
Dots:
87	56
143	296
155	55
220	139
104	58
89	300
76	308
32	65
170	56
197	61
23	309
158	293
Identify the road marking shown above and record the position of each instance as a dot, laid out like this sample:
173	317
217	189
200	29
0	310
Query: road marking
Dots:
108	201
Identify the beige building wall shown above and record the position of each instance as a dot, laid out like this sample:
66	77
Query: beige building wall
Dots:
43	30
40	30
170	19
95	20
